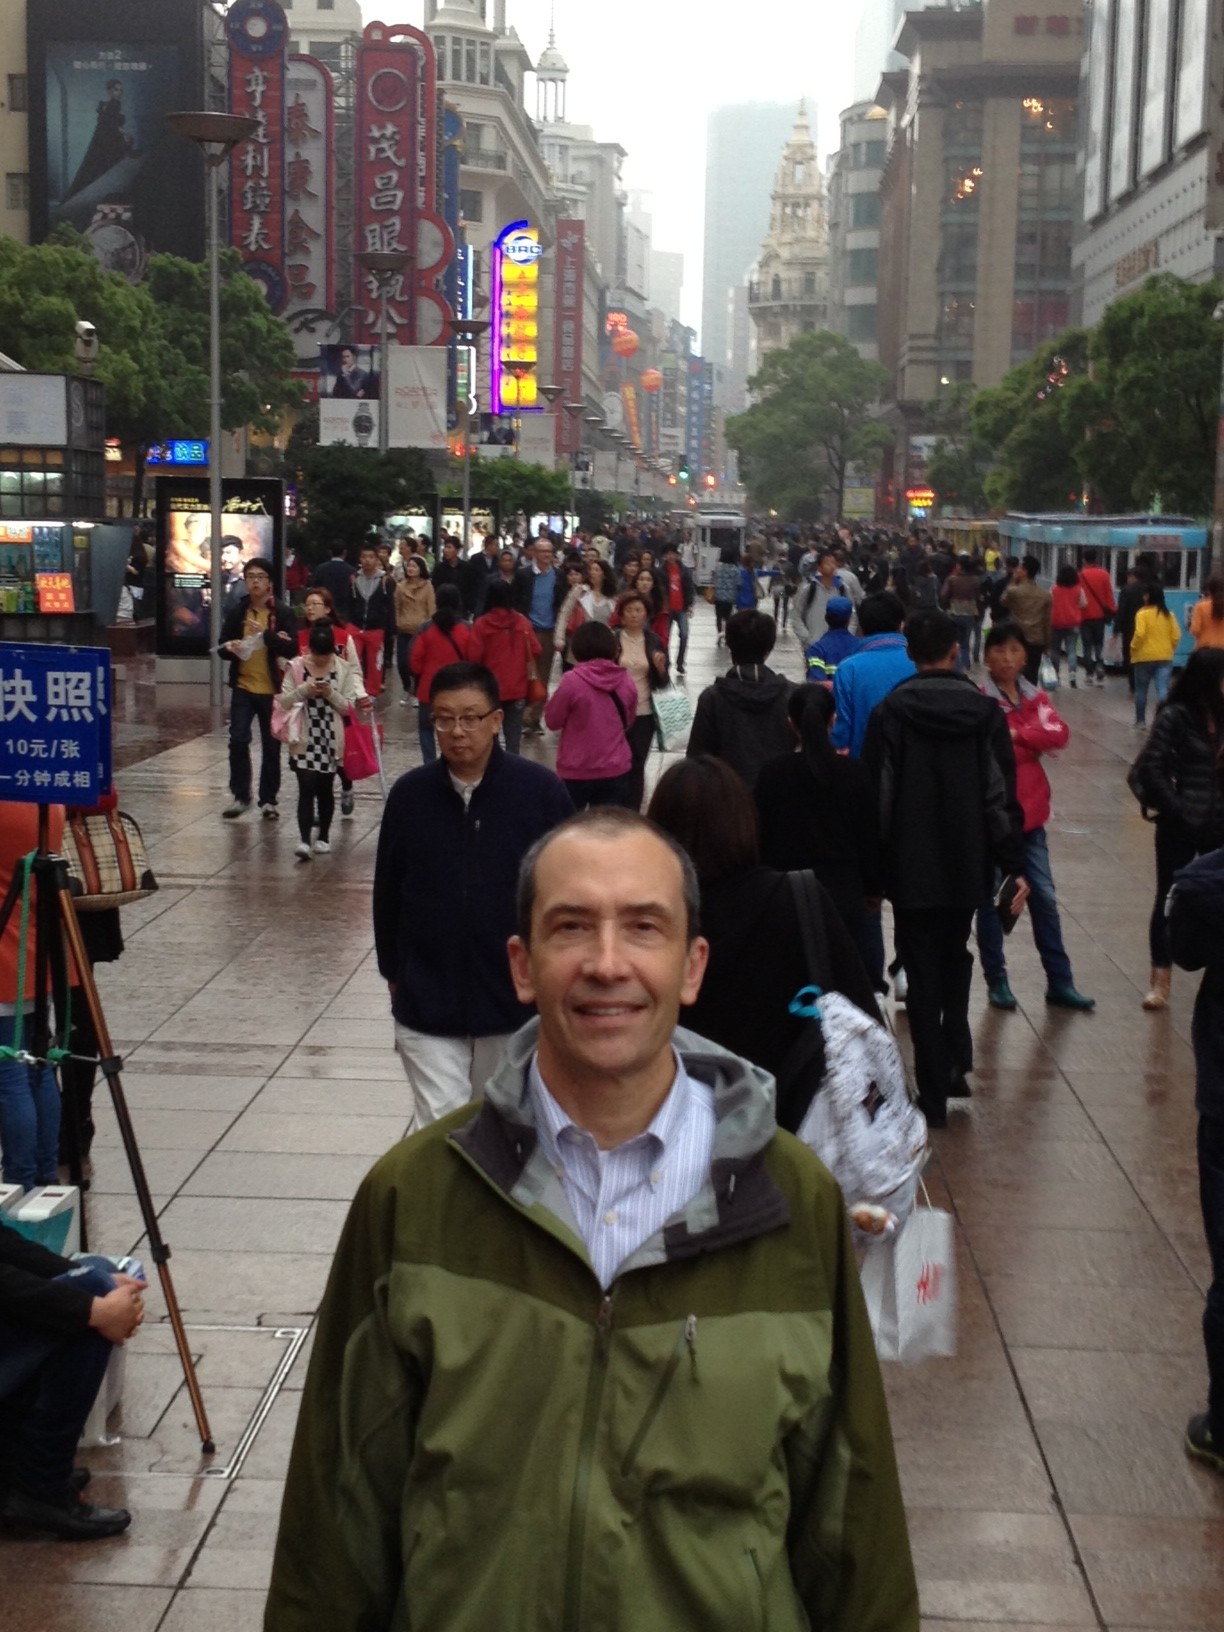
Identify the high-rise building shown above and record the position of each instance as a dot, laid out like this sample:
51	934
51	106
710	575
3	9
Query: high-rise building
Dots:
1153	197
322	28
788	294
667	281
978	198
742	147
855	171
14	125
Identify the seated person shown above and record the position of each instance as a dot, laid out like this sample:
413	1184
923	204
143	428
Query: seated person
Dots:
825	654
59	1322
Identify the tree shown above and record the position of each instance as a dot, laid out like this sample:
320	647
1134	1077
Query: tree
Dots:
1033	422
516	484
812	418
345	494
959	460
153	353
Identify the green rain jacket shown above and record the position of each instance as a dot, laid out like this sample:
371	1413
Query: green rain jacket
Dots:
489	1443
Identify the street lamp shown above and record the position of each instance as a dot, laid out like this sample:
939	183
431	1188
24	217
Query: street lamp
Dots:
386	267
575	410
467	331
216	135
551	394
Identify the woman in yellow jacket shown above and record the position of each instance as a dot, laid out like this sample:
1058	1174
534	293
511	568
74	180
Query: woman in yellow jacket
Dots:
1151	650
414	606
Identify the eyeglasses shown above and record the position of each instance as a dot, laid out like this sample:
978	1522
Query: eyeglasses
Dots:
460	722
257	578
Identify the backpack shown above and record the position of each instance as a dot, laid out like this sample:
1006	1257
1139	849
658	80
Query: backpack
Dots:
862	1120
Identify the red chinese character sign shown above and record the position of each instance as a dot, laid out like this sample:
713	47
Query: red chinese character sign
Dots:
567	326
309	194
258	35
396	184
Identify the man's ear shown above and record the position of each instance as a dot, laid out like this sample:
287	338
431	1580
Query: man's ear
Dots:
520	969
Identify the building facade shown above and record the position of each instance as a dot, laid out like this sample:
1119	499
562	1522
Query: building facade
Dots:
978	194
1152	133
788	294
325	29
855	172
14	124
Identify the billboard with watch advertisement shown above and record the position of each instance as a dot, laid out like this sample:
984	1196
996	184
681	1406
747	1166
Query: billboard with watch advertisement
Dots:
252	524
102	158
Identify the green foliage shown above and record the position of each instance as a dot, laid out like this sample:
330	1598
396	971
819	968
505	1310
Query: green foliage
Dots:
1133	420
812	417
960	460
346	493
516	484
153	356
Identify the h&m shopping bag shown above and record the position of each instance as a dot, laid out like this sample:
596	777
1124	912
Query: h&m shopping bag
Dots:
910	1287
673	716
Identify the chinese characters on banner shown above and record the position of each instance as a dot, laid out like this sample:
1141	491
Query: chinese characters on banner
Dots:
55	592
567	333
515	353
54	724
257	33
417	408
309	184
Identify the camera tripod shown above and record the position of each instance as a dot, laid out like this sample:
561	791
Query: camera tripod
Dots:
57	934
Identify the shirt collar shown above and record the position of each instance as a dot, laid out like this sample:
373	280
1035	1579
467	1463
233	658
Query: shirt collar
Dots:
552	1121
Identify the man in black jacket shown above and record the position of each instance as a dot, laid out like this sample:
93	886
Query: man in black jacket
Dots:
453	836
479	571
941	758
742	717
59	1322
373	619
1196	912
257	633
335	575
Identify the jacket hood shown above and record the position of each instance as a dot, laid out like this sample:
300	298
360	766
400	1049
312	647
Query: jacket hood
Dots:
600	673
941	704
738	1199
1200	886
753	687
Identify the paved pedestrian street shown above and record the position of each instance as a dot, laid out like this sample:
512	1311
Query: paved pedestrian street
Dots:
1043	1467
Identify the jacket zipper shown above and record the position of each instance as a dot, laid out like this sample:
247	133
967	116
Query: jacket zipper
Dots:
687	1339
571	1620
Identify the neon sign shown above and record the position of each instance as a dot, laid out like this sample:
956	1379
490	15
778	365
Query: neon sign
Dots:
516	306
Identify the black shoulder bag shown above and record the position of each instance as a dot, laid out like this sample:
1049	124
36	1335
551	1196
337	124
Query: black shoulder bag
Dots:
803	1069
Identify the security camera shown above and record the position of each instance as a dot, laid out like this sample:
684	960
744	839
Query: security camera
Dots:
1218	314
86	331
86	348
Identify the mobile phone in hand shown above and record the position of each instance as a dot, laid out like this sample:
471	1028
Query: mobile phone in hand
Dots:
1003	903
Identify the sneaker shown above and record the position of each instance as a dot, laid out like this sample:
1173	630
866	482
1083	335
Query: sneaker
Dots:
302	850
66	1515
1066	997
404	701
347	803
1073	683
322	848
1001	995
269	812
236	808
1201	1445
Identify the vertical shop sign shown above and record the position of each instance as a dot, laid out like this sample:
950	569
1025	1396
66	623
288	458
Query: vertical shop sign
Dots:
258	35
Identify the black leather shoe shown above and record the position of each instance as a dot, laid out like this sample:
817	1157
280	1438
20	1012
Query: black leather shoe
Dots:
78	1479
960	1089
66	1516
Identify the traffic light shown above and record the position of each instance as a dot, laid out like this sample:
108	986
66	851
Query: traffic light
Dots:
711	480
682	469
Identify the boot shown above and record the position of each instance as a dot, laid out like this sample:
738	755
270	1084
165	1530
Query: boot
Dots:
1158	997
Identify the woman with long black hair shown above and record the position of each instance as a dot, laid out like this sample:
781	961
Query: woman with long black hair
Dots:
1180	774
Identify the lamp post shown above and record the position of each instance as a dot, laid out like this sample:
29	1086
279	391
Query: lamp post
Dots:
386	267
467	331
216	135
593	420
575	410
551	393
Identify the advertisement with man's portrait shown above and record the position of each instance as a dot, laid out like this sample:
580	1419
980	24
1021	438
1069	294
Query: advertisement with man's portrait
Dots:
348	372
250	527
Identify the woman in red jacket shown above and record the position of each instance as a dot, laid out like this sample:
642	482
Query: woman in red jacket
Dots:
444	639
504	641
1066	615
1035	729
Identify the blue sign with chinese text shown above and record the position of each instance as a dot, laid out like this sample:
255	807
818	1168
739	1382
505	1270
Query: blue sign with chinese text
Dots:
55	724
177	453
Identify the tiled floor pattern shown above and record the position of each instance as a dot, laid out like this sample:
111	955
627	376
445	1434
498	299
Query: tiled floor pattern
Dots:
1043	1468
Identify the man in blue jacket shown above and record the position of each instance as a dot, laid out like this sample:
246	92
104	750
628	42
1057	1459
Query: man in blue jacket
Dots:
453	836
880	663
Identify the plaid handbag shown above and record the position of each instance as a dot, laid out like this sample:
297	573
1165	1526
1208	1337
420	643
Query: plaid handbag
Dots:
106	857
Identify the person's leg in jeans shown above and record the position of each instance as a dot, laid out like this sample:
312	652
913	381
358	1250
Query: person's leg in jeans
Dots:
1211	1197
1174	849
1043	912
403	648
242	718
977	638
29	1115
1143	679
425	730
512	725
990	944
48	1384
1160	679
722	611
270	753
964	634
680	621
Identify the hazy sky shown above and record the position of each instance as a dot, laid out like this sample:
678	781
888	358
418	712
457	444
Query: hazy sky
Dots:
645	73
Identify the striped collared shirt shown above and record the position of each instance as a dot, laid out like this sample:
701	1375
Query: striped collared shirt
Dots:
621	1197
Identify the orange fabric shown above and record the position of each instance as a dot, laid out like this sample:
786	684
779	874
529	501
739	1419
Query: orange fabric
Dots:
18	836
1207	631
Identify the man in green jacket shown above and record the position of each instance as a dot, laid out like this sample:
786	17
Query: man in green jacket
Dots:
593	1356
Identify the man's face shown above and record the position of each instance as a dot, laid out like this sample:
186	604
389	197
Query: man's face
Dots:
467	729
827	565
609	962
258	585
544	557
1005	661
346	361
369	562
231	558
450	550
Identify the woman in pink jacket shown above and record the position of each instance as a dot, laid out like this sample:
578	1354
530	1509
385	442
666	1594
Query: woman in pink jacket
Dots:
1035	729
593	708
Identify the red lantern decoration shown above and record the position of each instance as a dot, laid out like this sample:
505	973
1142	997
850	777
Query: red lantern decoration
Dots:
652	380
625	343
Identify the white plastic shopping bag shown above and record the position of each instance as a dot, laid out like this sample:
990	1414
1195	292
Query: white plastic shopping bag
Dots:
673	717
910	1287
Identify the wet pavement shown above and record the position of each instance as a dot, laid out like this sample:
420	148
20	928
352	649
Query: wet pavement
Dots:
1043	1468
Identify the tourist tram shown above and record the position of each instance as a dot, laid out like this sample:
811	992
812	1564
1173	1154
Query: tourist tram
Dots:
715	526
1175	546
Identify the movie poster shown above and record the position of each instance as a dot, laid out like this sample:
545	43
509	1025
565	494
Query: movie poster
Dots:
110	154
250	527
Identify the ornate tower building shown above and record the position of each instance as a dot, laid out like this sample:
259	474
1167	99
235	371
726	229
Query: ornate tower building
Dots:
789	291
